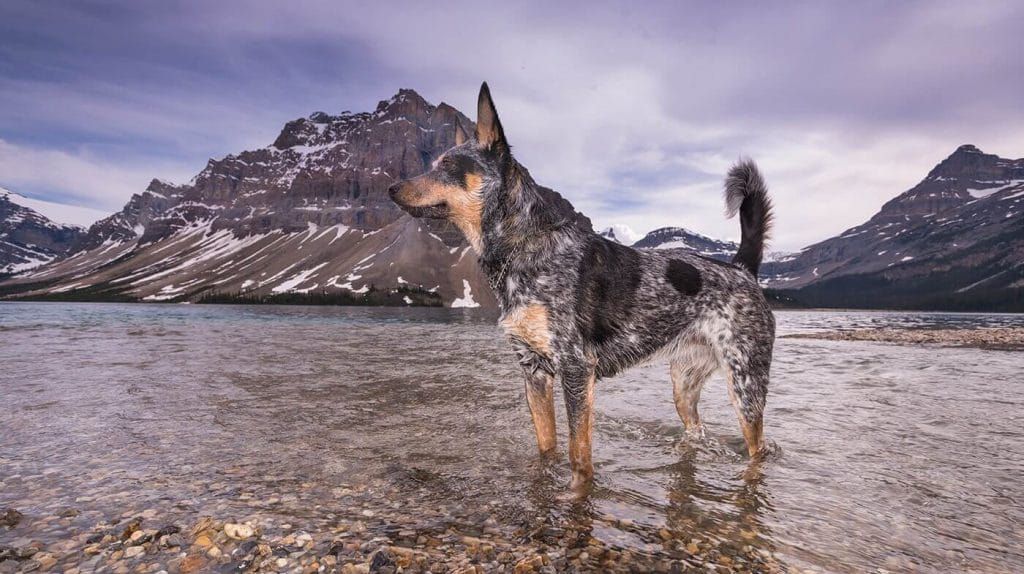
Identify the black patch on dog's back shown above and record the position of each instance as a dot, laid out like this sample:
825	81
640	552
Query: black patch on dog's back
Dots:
684	277
609	277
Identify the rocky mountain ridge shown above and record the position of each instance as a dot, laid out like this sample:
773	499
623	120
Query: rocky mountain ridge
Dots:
28	238
954	241
307	214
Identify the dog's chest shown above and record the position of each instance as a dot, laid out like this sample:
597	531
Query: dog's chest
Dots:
528	328
528	324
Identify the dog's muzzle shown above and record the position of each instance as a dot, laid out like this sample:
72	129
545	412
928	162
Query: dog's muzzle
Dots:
439	211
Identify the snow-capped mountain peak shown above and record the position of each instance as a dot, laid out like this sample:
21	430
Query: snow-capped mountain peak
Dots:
621	233
28	238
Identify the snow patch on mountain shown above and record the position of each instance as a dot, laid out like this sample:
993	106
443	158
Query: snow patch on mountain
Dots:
59	213
467	297
621	233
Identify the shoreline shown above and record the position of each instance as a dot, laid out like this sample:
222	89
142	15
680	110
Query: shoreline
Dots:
995	338
146	543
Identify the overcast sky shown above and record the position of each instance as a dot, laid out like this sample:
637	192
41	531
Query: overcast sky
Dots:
632	110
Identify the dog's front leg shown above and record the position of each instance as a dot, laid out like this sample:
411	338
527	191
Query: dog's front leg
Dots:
540	394
578	386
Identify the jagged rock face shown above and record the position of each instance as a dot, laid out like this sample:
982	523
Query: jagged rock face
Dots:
955	240
966	174
323	170
681	238
309	212
28	238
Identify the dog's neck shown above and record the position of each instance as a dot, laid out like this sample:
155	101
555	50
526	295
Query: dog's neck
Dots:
520	231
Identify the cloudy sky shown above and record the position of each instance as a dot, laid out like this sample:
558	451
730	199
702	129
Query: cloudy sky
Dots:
634	111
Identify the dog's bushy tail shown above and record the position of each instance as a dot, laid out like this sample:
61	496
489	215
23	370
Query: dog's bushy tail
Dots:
746	193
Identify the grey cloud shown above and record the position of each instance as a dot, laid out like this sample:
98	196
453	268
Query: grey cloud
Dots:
632	111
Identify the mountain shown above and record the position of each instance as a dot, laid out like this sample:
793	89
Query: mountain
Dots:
620	233
27	237
308	214
681	238
609	233
953	241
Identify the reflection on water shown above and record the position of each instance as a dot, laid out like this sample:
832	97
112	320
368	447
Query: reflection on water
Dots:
414	420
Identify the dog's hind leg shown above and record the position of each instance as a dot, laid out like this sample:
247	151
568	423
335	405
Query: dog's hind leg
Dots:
540	394
748	390
690	367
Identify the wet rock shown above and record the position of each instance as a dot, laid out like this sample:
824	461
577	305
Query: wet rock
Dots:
27	551
303	539
130	528
172	541
239	531
203	524
169	529
10	518
134	551
529	564
139	537
247	547
383	560
92	549
192	564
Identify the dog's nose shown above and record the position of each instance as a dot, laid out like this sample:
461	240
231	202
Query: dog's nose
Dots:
393	190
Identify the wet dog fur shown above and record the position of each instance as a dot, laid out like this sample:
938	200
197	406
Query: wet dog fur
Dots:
578	307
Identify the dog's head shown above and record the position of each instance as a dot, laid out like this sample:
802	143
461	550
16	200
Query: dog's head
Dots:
457	185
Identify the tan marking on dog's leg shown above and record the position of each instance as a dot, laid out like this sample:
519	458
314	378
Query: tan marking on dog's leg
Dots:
752	429
690	368
753	432
581	431
540	394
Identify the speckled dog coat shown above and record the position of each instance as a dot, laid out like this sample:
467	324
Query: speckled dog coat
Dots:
578	307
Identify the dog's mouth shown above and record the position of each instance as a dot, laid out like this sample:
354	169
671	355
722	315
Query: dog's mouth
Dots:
437	211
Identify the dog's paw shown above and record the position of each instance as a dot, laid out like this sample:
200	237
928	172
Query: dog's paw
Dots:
696	432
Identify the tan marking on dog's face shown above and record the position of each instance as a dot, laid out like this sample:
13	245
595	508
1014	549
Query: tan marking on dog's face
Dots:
530	325
464	205
467	211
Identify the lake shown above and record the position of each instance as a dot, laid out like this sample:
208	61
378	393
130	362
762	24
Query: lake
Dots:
350	429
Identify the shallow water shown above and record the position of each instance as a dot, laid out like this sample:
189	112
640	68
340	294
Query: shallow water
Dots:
887	457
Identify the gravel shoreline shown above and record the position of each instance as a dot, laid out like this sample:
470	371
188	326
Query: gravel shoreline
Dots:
1007	338
144	544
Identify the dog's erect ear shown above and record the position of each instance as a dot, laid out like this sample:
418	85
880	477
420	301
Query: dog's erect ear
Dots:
460	134
488	127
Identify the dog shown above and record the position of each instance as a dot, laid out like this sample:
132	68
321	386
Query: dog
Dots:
578	307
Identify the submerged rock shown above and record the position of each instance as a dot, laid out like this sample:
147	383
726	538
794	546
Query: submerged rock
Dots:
239	531
10	518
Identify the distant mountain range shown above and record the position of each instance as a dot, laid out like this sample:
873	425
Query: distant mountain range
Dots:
953	241
309	215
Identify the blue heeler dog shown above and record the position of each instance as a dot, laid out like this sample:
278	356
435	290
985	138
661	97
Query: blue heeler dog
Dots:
578	307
